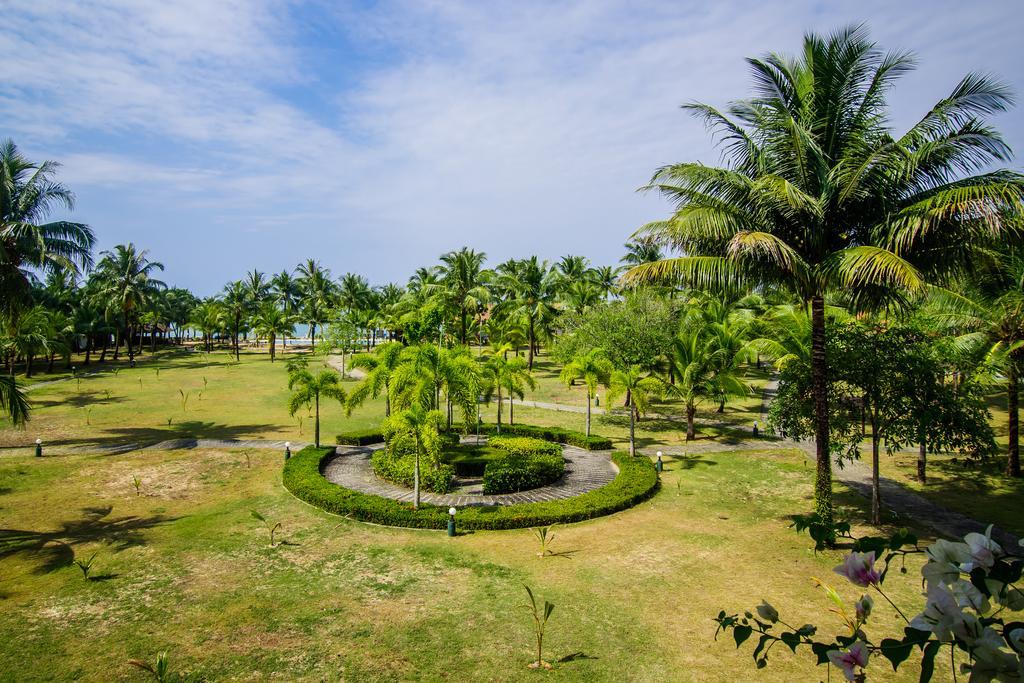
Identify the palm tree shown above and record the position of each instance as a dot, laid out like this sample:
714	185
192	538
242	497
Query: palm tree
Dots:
459	376
989	315
236	303
127	285
354	292
28	192
641	390
271	322
606	279
593	368
818	196
425	426
579	295
308	388
463	285
640	251
530	287
13	401
703	368
27	335
379	367
317	289
504	374
256	286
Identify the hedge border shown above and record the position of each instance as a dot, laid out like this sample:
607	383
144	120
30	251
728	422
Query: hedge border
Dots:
637	480
569	437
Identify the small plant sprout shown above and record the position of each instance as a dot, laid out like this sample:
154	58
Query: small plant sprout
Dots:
106	392
88	413
545	537
140	383
199	396
161	670
115	371
540	621
248	458
85	565
204	381
137	483
169	421
158	373
299	418
270	527
184	399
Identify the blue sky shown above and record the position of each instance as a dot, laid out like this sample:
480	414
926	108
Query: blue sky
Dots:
225	136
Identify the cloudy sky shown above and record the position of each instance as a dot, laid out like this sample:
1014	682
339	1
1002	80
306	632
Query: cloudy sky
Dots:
231	135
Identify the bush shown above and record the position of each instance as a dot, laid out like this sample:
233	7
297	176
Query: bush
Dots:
360	437
557	434
525	446
637	481
401	469
514	473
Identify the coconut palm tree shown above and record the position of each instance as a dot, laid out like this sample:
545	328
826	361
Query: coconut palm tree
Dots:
127	286
316	298
505	376
593	368
28	192
462	286
819	196
640	251
640	388
308	388
530	287
256	286
379	368
425	426
237	304
271	322
606	279
579	295
27	335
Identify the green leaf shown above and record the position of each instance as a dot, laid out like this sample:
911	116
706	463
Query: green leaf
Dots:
928	661
741	633
896	651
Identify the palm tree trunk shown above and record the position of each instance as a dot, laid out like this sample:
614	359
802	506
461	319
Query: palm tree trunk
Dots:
88	349
1013	405
922	453
499	409
117	342
529	361
416	476
28	365
819	388
316	427
632	432
312	336
511	407
106	345
49	362
387	399
273	345
876	492
691	433
588	413
238	324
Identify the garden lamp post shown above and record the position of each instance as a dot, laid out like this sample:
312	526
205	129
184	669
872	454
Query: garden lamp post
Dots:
39	448
659	465
287	450
451	521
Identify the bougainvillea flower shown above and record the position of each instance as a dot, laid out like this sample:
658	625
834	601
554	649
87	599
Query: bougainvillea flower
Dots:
859	568
983	550
863	607
850	660
941	614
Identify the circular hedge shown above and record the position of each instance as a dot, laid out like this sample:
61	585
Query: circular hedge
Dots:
636	481
526	463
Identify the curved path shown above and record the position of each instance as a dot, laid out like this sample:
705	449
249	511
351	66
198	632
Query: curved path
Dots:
584	471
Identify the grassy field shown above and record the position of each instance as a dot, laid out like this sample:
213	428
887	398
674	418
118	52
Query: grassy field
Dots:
184	567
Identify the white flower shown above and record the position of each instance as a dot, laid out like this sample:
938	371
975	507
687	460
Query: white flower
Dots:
983	550
941	614
944	560
968	595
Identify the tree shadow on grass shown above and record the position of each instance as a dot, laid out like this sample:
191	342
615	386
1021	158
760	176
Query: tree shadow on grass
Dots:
687	462
82	399
575	656
190	429
55	549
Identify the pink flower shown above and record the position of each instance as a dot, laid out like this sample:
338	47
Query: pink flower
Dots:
859	568
849	660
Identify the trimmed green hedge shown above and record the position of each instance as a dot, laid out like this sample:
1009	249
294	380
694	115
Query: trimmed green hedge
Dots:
360	437
514	473
401	470
521	446
557	434
637	481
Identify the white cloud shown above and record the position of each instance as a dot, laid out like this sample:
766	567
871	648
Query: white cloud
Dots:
514	128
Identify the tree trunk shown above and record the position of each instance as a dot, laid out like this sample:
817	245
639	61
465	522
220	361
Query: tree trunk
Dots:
117	342
129	345
499	409
511	407
273	347
88	349
721	406
312	337
529	360
819	387
238	324
28	365
588	413
632	432
49	362
387	399
922	455
691	433
106	344
416	477
316	426
876	492
1013	405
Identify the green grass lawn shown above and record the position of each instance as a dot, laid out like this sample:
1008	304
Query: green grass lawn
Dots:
185	568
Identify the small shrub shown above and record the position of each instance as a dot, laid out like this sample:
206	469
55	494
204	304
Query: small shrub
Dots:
514	473
85	565
524	446
271	527
545	537
160	670
363	437
556	434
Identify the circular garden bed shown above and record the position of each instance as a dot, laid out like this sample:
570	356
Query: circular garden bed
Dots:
635	481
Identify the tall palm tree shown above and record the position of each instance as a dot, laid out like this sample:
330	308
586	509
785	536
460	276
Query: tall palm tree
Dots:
26	336
462	285
606	279
819	196
593	368
640	251
640	388
530	288
127	285
308	388
256	286
506	377
28	192
317	292
237	305
379	367
425	426
272	322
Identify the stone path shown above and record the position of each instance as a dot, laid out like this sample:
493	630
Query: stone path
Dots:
170	445
584	471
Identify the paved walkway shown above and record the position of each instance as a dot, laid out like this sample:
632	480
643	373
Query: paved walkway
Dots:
170	445
584	471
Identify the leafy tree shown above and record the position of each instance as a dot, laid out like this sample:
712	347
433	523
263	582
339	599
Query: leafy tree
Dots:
641	388
308	388
818	196
271	322
593	368
127	285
